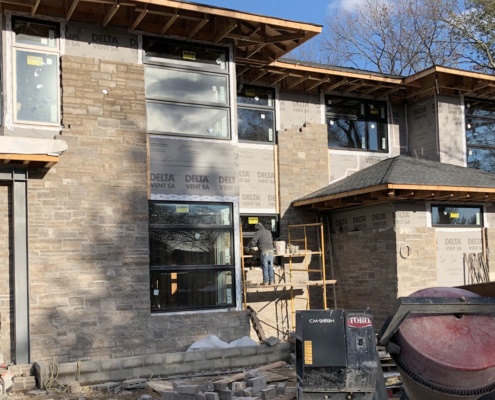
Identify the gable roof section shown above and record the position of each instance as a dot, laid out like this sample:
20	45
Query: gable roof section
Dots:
404	178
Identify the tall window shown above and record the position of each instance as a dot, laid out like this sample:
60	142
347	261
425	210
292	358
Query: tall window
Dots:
187	89
480	134
36	72
191	256
356	124
256	114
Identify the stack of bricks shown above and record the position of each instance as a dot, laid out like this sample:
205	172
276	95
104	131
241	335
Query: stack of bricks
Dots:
252	387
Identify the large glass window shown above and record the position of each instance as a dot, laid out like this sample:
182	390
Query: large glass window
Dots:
480	134
256	114
36	72
356	124
456	215
191	256
187	89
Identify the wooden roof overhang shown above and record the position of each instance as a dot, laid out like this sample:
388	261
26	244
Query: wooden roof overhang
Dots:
390	193
292	75
257	39
31	160
450	82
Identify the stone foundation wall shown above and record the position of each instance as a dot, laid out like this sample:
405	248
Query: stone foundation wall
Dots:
163	364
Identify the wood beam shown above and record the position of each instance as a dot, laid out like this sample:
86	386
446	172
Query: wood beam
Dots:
200	24
316	84
254	50
140	17
280	78
35	7
71	10
297	82
169	23
229	28
113	10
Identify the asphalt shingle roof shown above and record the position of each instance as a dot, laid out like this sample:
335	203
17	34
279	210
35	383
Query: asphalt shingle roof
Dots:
407	170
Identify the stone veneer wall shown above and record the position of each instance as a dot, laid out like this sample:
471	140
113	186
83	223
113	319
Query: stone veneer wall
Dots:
416	264
88	231
302	169
365	265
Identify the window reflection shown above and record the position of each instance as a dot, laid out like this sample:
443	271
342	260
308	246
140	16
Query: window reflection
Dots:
191	290
356	124
187	120
456	215
185	85
191	255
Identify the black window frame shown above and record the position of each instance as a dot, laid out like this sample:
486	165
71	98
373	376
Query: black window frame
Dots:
359	111
196	59
181	268
441	215
247	106
480	113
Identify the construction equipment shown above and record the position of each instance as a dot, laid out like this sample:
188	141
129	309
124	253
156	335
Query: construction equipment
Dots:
336	355
443	342
441	339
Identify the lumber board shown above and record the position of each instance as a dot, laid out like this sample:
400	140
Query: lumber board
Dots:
242	375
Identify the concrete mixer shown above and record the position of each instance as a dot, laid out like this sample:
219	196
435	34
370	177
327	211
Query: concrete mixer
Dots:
441	339
443	342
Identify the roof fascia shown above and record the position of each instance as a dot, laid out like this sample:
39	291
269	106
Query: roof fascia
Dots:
235	14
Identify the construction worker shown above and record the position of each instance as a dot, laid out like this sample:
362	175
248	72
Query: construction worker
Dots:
263	239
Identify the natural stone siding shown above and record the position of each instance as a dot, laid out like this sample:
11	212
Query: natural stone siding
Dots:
88	231
365	267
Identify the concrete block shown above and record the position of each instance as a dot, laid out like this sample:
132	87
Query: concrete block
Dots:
169	395
249	350
258	383
213	354
137	383
133	362
176	384
153	359
173	358
74	387
224	394
88	367
219	386
268	393
238	388
194	355
207	386
107	387
111	365
280	388
188	389
25	383
211	396
248	391
200	396
222	363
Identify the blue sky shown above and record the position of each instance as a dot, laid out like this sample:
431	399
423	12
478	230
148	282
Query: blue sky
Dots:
312	11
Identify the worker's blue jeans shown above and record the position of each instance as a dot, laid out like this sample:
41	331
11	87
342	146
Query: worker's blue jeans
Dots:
267	265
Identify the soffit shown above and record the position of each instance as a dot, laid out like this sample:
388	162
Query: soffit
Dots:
257	40
392	193
450	82
299	76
